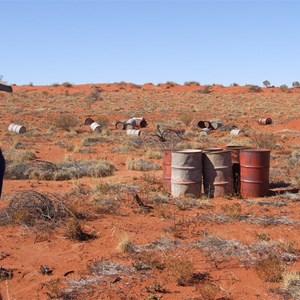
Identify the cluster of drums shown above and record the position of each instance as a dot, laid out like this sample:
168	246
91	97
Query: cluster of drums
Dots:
217	172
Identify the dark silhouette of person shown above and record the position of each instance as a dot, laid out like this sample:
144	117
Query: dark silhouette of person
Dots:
8	89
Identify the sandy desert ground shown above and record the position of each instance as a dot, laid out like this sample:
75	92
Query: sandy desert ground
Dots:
71	227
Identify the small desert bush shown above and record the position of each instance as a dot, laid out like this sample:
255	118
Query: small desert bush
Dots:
74	231
270	268
31	208
76	169
233	210
66	121
14	156
68	146
141	165
291	283
263	140
91	141
67	84
149	260
108	268
208	289
152	154
109	204
125	244
255	89
181	268
186	118
65	170
189	83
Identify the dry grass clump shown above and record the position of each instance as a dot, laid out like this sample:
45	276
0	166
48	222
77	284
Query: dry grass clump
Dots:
91	141
108	268
31	208
66	122
141	165
181	268
270	269
153	154
149	260
208	289
74	231
108	204
126	245
65	170
186	118
263	140
233	210
291	283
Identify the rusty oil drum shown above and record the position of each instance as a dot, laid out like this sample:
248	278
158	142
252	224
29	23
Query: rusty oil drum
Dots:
255	169
236	169
167	170
265	121
200	124
217	173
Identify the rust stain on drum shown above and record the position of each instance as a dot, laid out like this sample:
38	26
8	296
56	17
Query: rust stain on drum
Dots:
88	121
200	124
217	174
120	125
236	169
255	167
265	121
167	170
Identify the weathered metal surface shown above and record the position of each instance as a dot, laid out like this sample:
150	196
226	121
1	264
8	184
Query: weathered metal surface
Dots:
16	128
133	132
215	124
88	121
236	169
167	170
205	131
140	122
186	172
96	127
236	131
200	123
211	149
6	88
265	121
120	125
130	124
255	169
217	174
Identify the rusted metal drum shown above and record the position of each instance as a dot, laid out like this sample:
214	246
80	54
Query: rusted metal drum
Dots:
16	128
95	127
205	131
88	121
120	125
236	131
217	174
211	149
236	169
130	124
140	122
255	169
133	132
186	172
265	121
167	170
200	124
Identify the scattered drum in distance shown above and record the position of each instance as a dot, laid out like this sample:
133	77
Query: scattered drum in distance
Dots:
16	128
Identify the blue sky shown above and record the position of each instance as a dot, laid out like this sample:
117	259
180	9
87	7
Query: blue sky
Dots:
221	42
